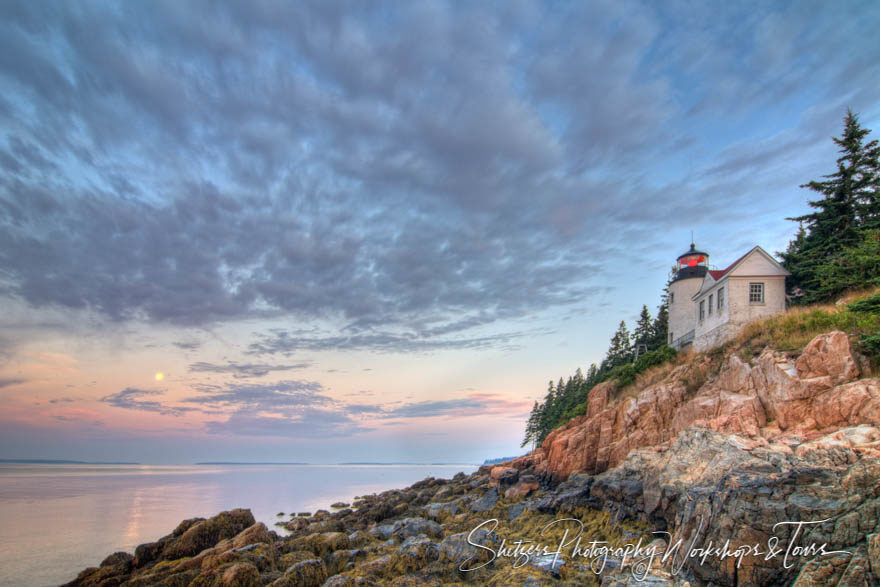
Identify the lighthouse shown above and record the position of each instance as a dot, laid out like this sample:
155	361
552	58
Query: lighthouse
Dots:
690	269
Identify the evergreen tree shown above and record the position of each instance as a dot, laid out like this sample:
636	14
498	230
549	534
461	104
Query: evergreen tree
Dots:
620	349
660	328
532	425
545	421
558	402
592	376
642	333
854	267
850	205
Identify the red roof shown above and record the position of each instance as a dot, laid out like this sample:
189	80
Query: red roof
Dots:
719	273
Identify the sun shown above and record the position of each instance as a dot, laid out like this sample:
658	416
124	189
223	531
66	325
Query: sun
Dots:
160	376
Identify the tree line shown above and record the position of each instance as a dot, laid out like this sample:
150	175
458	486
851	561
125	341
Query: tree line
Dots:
568	398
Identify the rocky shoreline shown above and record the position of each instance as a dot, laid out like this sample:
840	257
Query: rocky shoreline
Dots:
758	472
427	534
704	486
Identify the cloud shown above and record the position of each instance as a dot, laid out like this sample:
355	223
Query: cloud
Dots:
435	212
281	396
130	399
246	370
9	382
291	408
474	404
311	423
188	345
286	343
410	175
80	416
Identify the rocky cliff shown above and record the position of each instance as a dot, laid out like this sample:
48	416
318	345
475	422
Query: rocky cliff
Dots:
768	400
777	450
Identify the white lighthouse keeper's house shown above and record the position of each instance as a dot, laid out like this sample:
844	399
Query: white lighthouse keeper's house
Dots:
708	307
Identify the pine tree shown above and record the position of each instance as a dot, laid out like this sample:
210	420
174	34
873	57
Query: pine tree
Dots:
545	422
620	348
850	205
558	402
592	375
660	328
854	267
642	333
532	425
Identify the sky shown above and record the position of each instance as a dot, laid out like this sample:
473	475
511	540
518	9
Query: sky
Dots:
373	231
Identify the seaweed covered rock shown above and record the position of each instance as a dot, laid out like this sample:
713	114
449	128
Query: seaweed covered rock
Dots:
240	575
409	527
415	553
308	573
206	533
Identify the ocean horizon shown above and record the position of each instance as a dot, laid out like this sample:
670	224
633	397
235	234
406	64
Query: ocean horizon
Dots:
61	518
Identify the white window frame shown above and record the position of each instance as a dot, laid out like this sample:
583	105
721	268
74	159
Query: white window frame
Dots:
710	304
756	292
702	310
720	298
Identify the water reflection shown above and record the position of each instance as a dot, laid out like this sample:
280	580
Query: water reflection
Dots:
57	519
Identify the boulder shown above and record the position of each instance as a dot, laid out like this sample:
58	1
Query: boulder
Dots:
457	550
441	511
486	502
308	573
120	562
251	535
521	490
206	533
828	355
241	575
415	553
503	475
410	527
338	560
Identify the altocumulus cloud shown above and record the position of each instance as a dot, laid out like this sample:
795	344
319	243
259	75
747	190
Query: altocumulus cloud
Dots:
301	409
131	398
308	423
290	408
474	404
243	370
408	174
283	395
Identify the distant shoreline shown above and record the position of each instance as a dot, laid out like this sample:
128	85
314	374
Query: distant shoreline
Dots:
235	463
63	462
346	464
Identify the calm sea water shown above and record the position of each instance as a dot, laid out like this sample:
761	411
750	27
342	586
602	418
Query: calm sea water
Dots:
56	520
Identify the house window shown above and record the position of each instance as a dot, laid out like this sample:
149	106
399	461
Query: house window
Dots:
720	298
710	304
702	310
756	293
671	297
670	337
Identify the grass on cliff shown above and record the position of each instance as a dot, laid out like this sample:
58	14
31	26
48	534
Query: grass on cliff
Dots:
857	314
649	365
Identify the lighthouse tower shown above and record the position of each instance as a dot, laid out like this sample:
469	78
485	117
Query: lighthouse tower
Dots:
691	268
